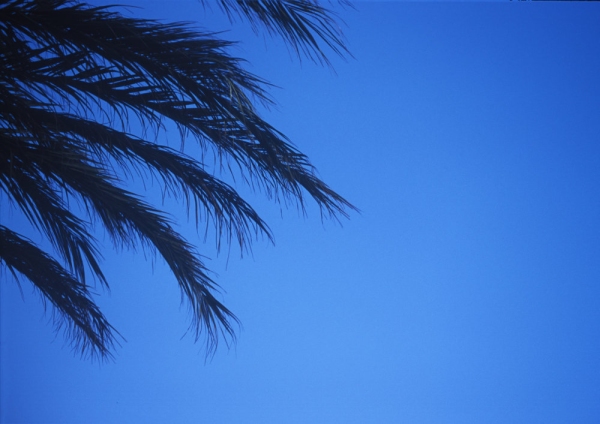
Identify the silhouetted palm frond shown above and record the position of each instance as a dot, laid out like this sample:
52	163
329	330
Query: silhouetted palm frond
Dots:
73	80
304	24
87	327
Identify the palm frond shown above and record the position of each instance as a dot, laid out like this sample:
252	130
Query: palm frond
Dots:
304	24
127	218
86	326
21	180
75	78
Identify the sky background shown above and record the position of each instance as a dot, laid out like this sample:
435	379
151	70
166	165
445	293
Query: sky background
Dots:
466	291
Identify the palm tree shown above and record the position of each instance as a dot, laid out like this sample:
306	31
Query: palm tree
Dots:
74	79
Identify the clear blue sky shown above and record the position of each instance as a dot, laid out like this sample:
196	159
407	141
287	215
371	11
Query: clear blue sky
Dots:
468	289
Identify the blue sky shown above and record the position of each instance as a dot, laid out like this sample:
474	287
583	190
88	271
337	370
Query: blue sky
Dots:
465	292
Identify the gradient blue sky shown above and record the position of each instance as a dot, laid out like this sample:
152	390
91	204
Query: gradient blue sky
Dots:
467	291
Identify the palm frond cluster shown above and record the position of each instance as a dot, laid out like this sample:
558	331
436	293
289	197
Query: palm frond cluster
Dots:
73	78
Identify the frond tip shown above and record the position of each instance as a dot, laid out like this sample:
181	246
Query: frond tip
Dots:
305	25
84	324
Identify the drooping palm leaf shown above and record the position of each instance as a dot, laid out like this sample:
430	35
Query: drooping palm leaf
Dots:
87	328
304	24
73	80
